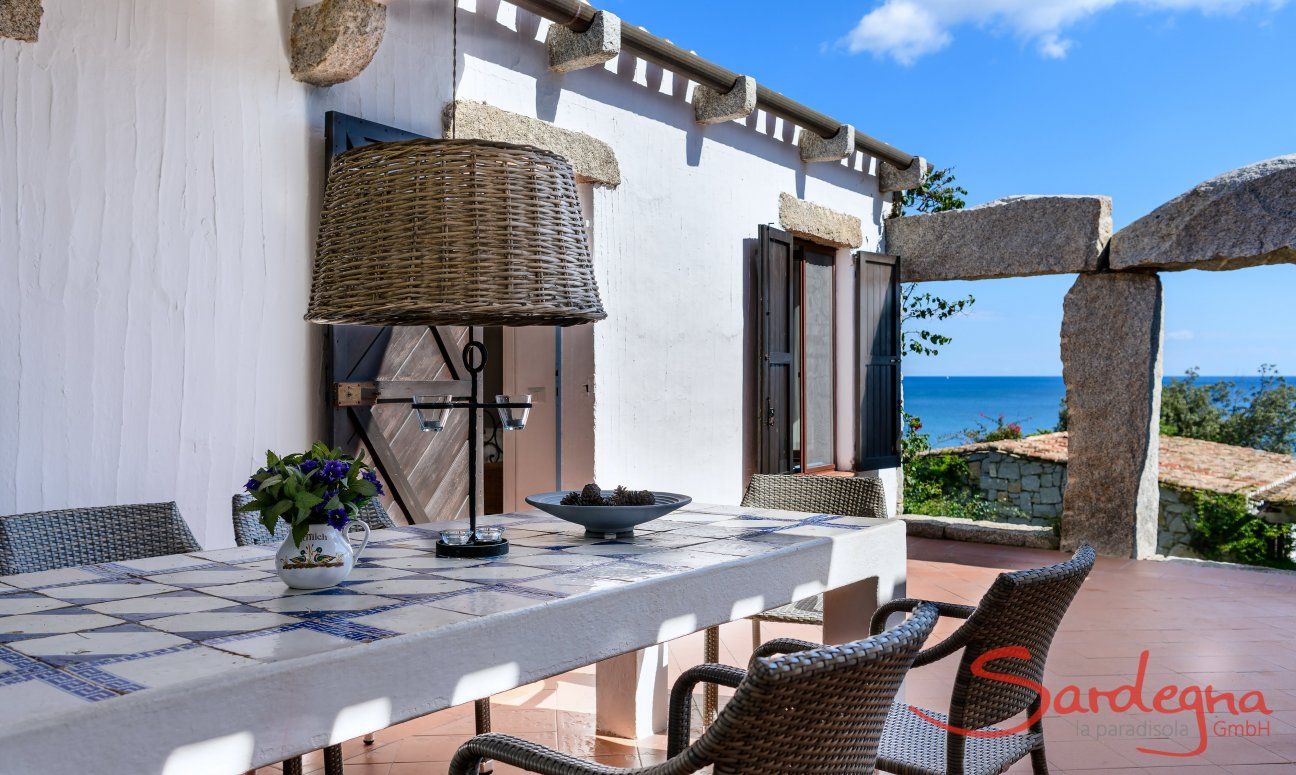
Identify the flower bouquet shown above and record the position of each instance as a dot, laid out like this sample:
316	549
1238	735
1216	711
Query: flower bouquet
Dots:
319	487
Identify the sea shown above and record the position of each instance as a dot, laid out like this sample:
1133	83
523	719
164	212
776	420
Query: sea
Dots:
948	406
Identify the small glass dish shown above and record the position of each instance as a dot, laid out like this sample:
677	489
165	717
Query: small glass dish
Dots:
490	534
456	537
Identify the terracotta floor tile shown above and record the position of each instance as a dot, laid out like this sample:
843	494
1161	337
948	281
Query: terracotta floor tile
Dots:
1184	616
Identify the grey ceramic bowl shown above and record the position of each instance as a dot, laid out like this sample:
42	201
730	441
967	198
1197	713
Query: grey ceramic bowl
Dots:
605	520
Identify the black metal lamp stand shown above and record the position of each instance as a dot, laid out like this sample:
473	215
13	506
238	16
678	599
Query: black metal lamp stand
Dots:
474	360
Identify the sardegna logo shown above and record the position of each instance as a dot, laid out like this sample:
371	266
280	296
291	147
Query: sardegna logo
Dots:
1170	700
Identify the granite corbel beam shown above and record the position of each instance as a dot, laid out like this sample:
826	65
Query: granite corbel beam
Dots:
592	160
1013	237
1242	218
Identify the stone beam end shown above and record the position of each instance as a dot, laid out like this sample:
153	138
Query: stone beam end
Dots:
20	19
891	178
334	40
835	148
715	107
569	50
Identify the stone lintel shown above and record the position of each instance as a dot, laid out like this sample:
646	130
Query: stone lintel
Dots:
334	40
20	19
1013	237
835	148
891	178
1111	363
715	107
1239	219
819	224
570	50
591	158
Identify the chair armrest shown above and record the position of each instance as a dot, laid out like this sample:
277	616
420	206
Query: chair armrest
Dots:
681	700
525	754
908	604
782	646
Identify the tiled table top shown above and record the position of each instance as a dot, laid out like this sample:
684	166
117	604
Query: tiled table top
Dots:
95	633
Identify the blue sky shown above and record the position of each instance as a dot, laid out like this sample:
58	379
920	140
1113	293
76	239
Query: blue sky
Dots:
1136	99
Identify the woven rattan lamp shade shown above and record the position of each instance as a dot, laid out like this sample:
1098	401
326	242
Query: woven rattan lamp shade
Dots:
452	232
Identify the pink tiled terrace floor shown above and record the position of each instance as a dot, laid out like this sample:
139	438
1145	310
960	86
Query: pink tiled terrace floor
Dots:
1232	629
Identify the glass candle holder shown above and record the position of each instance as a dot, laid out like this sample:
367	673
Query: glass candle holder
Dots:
433	419
490	534
457	537
513	419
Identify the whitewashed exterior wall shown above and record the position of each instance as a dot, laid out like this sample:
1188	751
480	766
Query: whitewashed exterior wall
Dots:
159	182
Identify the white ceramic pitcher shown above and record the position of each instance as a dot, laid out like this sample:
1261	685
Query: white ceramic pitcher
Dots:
324	557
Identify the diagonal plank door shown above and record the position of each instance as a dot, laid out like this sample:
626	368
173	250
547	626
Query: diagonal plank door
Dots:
426	473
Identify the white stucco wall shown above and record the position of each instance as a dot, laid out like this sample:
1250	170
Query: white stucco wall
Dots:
159	182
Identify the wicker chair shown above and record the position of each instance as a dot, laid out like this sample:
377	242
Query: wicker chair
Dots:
248	529
841	495
1021	609
819	711
45	540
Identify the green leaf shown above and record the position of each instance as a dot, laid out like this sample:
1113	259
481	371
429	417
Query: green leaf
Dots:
333	504
269	523
249	506
365	488
307	500
299	532
278	509
271	481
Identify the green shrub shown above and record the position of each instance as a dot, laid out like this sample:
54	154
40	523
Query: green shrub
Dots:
1227	530
941	485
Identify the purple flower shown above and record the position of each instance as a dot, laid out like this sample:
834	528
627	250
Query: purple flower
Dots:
252	485
337	519
306	466
372	478
333	470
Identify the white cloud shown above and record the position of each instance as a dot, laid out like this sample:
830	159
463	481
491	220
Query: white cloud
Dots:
906	30
1182	335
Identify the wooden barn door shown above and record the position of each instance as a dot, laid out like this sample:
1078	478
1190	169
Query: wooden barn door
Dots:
426	473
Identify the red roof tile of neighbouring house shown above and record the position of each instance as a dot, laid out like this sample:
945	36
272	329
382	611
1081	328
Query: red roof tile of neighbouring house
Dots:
1187	463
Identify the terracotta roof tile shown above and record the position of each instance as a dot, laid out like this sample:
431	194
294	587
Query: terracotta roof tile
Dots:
1187	463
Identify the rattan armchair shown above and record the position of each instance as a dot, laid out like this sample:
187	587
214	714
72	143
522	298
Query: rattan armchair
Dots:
1022	609
845	496
819	711
45	540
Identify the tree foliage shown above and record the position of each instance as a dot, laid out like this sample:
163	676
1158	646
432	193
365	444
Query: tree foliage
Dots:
1261	417
1226	529
938	193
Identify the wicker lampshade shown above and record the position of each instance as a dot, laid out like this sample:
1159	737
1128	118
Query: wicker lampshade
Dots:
452	232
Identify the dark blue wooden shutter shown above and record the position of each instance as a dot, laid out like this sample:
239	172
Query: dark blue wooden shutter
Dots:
775	261
878	384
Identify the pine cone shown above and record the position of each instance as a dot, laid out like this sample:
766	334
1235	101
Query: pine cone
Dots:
620	497
571	499
641	498
591	495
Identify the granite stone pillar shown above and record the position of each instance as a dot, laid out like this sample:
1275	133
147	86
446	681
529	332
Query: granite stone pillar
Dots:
1111	362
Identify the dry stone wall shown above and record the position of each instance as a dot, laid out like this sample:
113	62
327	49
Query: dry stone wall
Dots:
1034	487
